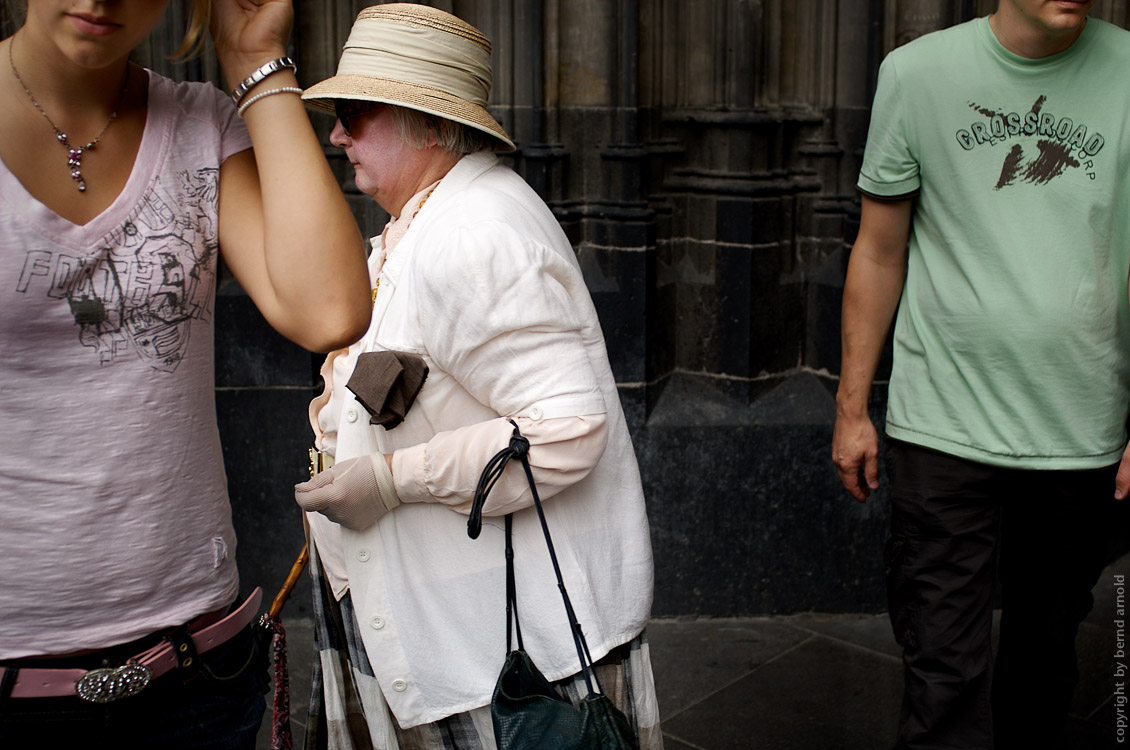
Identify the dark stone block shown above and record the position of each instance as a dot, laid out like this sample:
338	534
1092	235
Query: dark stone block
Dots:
752	520
777	314
747	513
758	387
633	402
800	400
689	401
714	309
819	549
622	171
620	228
851	232
544	166
828	226
770	221
662	317
618	282
734	221
695	490
825	302
249	353
265	435
571	224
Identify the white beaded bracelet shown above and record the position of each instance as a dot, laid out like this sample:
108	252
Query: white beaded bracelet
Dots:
274	66
284	90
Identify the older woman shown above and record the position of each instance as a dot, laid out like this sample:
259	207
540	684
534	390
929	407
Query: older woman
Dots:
473	280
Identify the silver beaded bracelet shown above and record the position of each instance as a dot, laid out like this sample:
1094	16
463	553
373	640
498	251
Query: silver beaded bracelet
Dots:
283	90
274	66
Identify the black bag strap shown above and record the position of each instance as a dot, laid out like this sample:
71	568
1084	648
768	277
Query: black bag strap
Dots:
490	476
511	589
519	448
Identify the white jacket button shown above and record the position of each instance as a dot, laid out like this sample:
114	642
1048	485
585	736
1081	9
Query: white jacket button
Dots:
351	415
363	555
377	622
535	413
399	685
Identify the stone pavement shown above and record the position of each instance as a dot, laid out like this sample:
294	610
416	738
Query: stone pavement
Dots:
827	682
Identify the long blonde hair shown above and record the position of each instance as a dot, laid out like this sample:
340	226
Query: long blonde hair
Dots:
196	32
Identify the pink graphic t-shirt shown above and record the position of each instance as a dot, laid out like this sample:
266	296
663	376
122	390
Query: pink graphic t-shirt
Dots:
114	515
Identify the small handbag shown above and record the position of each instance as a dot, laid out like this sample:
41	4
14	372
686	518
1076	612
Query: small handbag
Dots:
527	711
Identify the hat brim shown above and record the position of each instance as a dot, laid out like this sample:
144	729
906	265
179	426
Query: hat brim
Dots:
321	97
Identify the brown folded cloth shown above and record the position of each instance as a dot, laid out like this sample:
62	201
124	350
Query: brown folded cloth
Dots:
386	383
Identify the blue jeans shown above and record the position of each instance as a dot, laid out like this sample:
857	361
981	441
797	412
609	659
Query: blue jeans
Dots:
220	708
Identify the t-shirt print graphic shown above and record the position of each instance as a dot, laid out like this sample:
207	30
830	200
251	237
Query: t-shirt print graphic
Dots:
138	293
1051	144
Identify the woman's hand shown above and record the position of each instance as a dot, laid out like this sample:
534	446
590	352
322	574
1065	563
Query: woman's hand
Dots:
354	493
248	33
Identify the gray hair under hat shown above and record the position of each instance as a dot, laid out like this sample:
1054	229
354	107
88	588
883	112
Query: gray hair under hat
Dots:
418	57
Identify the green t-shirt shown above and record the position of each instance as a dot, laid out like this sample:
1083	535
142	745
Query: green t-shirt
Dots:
1012	340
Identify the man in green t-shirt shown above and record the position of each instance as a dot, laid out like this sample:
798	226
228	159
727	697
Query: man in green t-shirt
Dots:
996	222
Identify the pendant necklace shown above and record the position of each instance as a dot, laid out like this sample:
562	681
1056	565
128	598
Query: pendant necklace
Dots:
74	155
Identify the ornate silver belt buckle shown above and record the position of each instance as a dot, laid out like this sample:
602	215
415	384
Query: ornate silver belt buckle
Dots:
109	684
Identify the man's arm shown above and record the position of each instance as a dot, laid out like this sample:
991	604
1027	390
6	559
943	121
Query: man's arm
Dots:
1122	480
876	271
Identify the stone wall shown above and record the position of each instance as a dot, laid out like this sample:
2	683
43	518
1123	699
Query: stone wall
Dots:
702	159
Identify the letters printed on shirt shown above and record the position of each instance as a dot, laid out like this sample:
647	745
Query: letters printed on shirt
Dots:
1045	145
138	292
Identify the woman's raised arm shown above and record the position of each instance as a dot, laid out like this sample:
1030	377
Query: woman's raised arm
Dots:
286	231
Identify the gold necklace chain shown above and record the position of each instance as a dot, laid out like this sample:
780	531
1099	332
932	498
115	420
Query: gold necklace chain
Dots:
424	200
74	155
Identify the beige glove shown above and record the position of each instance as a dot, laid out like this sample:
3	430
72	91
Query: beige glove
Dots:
354	493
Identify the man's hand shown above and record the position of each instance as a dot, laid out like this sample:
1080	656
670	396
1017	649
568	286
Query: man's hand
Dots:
1122	480
354	493
855	452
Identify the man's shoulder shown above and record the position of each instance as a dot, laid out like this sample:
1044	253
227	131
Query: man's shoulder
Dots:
1105	27
1114	40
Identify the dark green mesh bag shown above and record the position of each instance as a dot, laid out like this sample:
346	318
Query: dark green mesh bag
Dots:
528	712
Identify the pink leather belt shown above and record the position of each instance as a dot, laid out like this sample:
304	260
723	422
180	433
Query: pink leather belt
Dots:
111	683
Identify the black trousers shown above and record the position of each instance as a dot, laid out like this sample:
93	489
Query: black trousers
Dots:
956	524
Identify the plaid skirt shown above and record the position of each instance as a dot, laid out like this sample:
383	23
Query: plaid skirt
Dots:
348	710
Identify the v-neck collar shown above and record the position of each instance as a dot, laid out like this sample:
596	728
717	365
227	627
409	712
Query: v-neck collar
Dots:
151	153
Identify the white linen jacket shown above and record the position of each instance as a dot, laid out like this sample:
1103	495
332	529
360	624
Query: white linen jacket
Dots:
486	288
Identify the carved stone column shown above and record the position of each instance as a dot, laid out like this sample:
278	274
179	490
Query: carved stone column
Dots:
702	158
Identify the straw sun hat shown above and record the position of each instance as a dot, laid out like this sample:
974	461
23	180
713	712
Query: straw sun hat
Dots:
414	56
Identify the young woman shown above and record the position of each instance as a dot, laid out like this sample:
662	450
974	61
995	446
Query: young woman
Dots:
118	190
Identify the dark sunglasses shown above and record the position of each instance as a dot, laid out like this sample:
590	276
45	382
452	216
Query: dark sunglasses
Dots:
347	109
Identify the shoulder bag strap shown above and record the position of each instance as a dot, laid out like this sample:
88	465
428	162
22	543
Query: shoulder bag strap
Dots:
519	448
